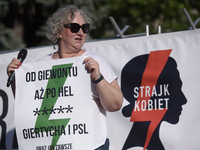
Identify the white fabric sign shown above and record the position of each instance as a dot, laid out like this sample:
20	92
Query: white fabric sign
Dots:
183	132
51	107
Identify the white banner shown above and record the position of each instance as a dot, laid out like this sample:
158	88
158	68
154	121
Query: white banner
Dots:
159	76
52	111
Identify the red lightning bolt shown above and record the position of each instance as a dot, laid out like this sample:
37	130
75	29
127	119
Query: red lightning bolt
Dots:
154	67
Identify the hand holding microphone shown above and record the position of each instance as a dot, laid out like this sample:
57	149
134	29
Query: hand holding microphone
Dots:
16	62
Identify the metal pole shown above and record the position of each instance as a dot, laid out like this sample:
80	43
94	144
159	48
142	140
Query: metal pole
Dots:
123	30
116	27
135	35
147	30
196	22
159	29
189	18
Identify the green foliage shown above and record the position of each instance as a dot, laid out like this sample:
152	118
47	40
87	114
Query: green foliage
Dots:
3	8
8	40
167	13
22	22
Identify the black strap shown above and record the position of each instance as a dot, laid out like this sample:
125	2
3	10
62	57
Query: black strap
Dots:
98	80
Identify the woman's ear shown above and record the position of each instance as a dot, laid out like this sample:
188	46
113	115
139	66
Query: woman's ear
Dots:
60	36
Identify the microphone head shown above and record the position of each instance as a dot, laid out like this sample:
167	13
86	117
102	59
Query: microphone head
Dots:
22	55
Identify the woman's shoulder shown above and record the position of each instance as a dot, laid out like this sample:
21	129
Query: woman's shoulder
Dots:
105	67
89	53
95	56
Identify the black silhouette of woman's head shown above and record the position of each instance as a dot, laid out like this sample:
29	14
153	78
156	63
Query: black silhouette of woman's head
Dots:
168	82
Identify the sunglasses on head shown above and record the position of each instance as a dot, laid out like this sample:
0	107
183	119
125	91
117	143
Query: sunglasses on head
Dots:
75	27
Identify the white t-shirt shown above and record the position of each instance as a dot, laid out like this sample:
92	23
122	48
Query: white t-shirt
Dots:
99	113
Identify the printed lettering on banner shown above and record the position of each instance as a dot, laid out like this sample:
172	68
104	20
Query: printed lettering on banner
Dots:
53	105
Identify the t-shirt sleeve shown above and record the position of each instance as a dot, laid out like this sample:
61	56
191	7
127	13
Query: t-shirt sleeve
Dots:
105	68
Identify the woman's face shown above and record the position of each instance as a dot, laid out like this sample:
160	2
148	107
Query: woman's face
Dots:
73	42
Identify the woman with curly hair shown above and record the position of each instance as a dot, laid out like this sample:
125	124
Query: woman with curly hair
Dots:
68	28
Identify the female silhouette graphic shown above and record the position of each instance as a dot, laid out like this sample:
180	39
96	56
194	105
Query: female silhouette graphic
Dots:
166	96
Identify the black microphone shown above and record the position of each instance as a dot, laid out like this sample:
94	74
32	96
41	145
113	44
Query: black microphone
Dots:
21	56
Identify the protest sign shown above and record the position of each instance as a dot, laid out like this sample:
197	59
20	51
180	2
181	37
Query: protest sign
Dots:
52	111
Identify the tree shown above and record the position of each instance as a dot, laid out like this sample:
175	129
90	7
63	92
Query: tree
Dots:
139	13
22	22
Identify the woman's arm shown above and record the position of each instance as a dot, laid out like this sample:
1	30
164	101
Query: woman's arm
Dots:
110	94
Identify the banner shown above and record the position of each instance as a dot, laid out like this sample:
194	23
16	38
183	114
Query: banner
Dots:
52	111
159	76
